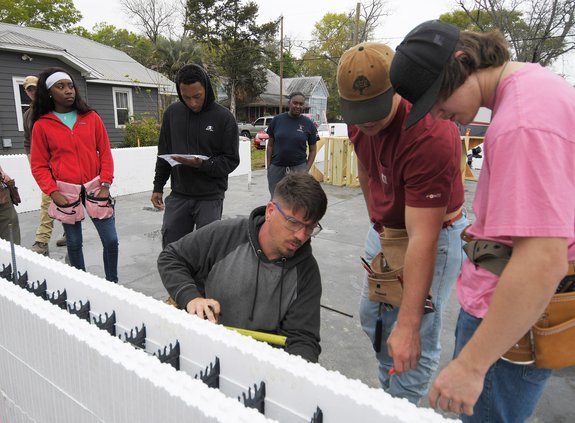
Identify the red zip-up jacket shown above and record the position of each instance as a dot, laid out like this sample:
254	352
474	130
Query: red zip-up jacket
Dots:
75	155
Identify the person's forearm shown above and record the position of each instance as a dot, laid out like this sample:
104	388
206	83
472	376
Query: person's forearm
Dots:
162	174
269	149
363	178
311	157
309	162
522	293
306	347
175	273
417	278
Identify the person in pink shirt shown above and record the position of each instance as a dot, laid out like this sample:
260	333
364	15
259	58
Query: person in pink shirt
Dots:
524	200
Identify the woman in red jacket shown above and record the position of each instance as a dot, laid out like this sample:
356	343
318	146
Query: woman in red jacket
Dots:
72	163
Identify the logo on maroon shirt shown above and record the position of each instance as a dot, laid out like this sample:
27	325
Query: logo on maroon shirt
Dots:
431	196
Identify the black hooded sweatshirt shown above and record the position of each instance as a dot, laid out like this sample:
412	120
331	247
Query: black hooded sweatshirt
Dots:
224	261
213	132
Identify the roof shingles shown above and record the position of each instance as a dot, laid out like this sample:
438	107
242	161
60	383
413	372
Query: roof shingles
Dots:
112	65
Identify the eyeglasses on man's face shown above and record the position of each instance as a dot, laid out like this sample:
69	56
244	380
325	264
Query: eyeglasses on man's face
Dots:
295	225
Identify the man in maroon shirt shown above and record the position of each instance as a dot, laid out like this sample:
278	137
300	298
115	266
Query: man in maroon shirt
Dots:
411	180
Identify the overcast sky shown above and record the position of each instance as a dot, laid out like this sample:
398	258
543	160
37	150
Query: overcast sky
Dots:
301	15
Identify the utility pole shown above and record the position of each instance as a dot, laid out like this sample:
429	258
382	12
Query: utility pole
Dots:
356	32
281	61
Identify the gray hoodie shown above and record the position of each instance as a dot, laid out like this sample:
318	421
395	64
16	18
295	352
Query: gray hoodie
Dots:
224	261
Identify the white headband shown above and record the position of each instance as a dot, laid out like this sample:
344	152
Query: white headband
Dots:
55	77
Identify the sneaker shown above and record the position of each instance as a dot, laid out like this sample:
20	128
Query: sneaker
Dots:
61	241
40	248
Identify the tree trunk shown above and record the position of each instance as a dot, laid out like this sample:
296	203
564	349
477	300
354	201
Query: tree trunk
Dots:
233	99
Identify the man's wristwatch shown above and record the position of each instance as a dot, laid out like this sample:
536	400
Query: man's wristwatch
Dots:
105	185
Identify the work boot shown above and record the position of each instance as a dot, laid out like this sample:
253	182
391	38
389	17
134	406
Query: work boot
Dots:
61	241
41	248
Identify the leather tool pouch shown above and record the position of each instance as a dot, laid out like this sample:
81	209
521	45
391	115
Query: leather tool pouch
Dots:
4	194
14	194
9	190
394	246
554	333
384	286
551	341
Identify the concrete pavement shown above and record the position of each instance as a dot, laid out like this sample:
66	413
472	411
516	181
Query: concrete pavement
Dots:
337	249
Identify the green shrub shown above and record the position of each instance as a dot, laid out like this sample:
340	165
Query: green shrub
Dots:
144	129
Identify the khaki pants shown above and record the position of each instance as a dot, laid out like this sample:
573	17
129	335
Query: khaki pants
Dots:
44	231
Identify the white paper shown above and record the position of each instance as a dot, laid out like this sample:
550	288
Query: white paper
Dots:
168	157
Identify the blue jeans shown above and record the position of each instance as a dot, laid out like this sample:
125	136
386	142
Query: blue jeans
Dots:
510	391
107	231
414	384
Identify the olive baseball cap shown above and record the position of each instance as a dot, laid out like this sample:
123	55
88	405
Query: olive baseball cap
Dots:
418	66
30	81
364	88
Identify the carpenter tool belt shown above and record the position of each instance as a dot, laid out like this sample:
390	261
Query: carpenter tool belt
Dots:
385	280
551	340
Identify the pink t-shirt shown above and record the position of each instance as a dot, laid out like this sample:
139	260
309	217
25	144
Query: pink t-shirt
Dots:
418	167
527	182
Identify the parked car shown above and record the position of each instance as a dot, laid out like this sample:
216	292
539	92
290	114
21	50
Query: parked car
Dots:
250	130
261	139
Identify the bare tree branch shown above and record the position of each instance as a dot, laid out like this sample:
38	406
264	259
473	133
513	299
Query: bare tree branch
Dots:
154	17
371	14
537	30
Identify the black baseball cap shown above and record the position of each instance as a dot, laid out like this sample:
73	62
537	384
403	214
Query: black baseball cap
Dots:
418	65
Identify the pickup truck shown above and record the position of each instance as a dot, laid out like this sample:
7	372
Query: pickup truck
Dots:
250	130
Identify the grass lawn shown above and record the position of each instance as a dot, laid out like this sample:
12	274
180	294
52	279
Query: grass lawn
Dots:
258	158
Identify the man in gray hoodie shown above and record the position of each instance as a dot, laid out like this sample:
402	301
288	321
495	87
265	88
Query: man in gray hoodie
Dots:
256	273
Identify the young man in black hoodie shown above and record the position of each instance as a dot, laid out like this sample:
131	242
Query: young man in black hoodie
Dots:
256	273
198	126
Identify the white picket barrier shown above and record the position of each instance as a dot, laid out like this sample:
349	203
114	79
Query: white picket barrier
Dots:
133	172
56	367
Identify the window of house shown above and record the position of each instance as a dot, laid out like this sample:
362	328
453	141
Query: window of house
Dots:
21	101
123	108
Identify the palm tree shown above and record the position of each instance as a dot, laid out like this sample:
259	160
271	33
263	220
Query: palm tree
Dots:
173	54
